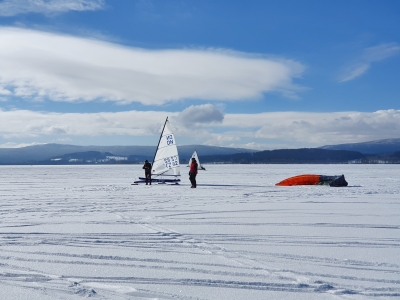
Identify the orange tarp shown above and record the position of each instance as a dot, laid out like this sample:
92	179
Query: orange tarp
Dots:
306	179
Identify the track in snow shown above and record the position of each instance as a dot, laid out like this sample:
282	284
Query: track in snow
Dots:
84	231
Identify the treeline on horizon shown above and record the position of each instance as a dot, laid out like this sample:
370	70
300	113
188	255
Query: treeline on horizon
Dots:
287	156
282	156
303	156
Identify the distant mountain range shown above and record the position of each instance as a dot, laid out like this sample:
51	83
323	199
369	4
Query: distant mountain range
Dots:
369	152
386	146
47	152
287	156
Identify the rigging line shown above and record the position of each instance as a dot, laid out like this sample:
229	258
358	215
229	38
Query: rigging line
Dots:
162	131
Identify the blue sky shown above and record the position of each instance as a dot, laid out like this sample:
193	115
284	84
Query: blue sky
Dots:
252	74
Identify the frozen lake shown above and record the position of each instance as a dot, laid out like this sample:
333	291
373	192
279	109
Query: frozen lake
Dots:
72	232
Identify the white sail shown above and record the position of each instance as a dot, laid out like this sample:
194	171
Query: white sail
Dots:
166	159
196	157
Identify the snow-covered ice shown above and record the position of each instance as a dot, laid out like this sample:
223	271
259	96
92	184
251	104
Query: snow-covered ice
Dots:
73	232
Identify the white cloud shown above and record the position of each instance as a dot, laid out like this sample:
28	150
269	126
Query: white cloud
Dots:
4	92
355	71
24	123
257	131
10	8
371	55
316	129
223	140
65	68
381	52
201	114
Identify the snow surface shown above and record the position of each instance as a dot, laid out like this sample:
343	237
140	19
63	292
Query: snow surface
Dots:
73	232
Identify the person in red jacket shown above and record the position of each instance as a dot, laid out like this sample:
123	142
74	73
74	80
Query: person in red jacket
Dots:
193	173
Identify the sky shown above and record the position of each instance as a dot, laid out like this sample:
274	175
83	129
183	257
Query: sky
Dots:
258	74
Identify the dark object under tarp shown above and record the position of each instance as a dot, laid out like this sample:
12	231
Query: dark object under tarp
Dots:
313	179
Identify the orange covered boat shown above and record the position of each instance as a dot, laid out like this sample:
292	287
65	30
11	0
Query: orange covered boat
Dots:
313	179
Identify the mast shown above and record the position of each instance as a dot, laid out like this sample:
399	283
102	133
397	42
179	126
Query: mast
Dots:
162	131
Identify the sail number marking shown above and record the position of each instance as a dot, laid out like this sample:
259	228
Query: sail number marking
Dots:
170	139
171	162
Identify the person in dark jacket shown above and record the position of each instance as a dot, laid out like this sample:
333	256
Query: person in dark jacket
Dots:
147	171
193	173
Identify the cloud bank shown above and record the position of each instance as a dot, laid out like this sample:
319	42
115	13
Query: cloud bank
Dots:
10	8
370	55
25	123
43	65
304	129
201	114
257	131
